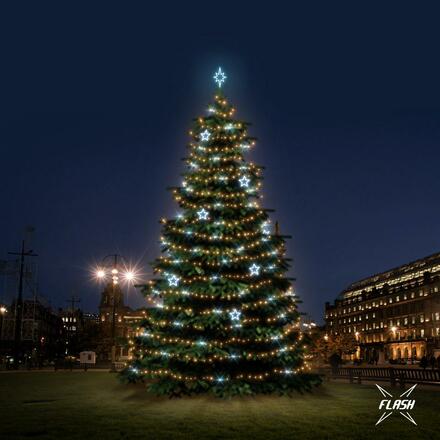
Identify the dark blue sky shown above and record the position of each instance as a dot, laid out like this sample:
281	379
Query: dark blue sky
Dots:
96	104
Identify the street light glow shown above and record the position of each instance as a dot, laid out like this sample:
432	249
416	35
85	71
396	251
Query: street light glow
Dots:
3	310
129	275
100	273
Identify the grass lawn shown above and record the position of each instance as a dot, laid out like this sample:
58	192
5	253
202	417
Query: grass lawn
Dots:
77	405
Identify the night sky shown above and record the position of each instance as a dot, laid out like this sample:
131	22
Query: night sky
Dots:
96	105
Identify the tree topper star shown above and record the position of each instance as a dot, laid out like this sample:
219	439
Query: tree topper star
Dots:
254	269
220	77
204	135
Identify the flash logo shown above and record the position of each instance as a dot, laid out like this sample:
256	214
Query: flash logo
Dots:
390	405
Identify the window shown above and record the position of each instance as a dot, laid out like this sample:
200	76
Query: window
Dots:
422	333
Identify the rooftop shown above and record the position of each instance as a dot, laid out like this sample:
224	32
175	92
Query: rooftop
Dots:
400	274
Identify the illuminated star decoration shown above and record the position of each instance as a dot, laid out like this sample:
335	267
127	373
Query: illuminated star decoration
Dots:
244	181
265	228
220	77
203	214
173	280
204	135
235	315
254	270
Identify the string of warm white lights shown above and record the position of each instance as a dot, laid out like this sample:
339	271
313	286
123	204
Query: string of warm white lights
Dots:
220	379
216	343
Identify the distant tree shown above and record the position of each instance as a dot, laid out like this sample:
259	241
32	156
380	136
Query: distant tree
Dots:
325	345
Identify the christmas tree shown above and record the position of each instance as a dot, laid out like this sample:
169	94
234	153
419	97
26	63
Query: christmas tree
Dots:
227	320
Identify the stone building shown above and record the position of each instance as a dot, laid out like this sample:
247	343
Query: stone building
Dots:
394	315
115	335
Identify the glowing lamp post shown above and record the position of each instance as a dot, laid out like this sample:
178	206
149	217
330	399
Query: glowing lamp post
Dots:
114	268
394	330
3	311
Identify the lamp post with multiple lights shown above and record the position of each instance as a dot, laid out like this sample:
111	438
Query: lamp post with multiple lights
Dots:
114	268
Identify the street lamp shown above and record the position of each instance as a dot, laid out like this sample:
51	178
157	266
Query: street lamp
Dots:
3	311
113	267
394	330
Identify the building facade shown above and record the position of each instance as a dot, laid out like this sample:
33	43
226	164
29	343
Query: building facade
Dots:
116	335
41	335
394	315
